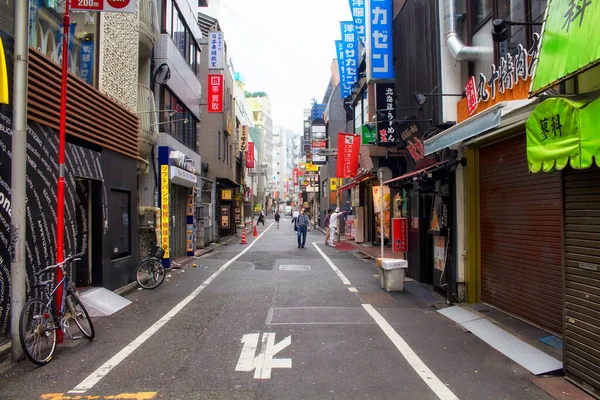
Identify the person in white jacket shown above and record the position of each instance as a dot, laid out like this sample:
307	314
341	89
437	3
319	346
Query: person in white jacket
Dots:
333	226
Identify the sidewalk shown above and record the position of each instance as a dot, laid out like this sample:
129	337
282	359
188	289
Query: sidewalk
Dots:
365	248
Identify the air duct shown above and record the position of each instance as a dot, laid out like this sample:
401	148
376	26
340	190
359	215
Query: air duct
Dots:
459	50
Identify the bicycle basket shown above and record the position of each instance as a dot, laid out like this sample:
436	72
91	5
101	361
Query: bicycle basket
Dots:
160	252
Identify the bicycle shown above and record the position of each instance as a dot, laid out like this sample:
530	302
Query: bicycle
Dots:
37	326
150	273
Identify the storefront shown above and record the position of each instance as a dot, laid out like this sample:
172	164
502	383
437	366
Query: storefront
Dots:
229	206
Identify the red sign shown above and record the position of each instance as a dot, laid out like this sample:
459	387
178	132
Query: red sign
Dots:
215	94
400	234
319	144
250	155
471	92
124	6
295	177
348	154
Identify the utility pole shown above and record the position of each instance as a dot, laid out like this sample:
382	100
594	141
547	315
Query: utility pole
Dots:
18	168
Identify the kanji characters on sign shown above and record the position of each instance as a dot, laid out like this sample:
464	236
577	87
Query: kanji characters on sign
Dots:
215	93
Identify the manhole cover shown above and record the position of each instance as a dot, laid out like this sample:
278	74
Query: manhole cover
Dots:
294	267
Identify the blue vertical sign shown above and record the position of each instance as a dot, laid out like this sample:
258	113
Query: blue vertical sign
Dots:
357	8
86	61
345	89
380	65
59	38
350	42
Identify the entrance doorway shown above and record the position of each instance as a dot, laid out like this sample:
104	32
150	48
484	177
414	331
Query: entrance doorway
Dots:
88	221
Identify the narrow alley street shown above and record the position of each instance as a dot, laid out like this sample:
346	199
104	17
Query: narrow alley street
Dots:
269	320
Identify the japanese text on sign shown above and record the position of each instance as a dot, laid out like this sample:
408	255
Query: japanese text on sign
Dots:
122	6
348	64
244	138
216	50
379	40
384	101
357	8
164	208
215	93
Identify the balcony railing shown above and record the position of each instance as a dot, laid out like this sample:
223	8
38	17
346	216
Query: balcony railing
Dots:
148	121
148	17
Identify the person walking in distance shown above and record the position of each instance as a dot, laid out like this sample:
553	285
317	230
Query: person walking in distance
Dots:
327	228
302	223
261	218
277	217
333	226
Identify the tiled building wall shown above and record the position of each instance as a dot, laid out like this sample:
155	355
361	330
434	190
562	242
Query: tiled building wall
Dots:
119	57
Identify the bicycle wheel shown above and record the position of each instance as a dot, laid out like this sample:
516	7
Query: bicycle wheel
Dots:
37	331
80	316
150	274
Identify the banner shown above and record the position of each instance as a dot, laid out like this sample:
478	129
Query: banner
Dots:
348	153
243	138
350	64
250	156
570	42
400	234
377	193
380	64
295	177
215	93
86	57
385	103
216	46
369	134
357	8
345	89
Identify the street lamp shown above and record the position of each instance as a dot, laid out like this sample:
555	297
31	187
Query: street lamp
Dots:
500	28
421	98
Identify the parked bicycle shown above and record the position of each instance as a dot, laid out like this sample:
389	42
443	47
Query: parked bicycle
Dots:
37	325
150	273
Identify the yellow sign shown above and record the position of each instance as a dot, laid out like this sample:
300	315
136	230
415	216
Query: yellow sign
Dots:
164	206
226	194
334	183
3	76
310	167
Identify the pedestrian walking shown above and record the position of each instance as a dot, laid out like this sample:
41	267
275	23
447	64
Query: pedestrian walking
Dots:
261	218
333	225
327	228
302	224
277	217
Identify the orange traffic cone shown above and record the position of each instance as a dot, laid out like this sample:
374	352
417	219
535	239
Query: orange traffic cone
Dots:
244	237
255	232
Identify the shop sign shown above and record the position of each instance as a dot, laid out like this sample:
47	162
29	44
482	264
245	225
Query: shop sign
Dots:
440	208
380	64
471	94
225	217
349	231
226	194
215	93
238	215
122	6
216	46
243	138
182	177
385	101
400	234
86	55
357	8
250	155
413	140
334	183
350	58
439	253
5	58
369	134
179	159
377	193
295	177
306	136
189	231
311	167
257	207
164	208
348	153
570	42
345	88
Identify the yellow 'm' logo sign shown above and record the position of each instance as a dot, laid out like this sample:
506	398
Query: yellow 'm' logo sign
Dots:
3	76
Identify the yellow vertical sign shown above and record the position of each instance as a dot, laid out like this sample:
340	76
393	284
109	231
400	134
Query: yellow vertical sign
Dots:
3	76
164	206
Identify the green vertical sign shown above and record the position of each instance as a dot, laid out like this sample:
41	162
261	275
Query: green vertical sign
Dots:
570	42
369	134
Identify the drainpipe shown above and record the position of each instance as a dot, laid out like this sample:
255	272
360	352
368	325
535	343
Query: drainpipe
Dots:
460	51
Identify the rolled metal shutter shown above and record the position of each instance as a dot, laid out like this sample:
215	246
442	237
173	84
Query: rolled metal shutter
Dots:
521	235
582	276
178	210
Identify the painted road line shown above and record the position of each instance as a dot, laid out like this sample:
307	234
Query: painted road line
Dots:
353	289
339	273
415	362
101	372
122	396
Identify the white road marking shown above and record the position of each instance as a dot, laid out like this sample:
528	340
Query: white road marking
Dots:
415	362
353	289
101	372
264	361
339	273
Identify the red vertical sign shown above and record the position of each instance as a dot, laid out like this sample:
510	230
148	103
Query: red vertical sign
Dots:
400	234
471	93
250	156
295	177
215	93
348	154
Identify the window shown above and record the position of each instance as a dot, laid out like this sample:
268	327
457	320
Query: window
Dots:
481	11
174	24
119	223
182	125
520	11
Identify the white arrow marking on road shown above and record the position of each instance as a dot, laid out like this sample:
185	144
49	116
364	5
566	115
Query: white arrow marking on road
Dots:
264	361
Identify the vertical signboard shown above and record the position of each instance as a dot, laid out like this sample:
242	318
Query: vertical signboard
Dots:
385	101
413	140
244	138
215	93
164	208
189	220
319	140
380	66
216	50
86	61
348	153
357	8
345	88
225	217
471	94
400	234
295	177
350	42
250	156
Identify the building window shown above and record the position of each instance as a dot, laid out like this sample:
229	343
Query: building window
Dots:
119	221
174	24
520	11
481	11
45	35
183	124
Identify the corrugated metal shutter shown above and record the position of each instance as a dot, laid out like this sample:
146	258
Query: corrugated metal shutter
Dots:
582	276
178	210
521	244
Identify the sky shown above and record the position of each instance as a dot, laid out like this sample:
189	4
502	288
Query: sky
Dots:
282	47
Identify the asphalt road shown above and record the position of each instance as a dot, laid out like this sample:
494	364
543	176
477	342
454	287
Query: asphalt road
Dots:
268	320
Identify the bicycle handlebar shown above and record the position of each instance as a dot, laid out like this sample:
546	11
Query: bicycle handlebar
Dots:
61	264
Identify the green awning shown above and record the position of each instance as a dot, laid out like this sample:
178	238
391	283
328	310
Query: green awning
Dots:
561	131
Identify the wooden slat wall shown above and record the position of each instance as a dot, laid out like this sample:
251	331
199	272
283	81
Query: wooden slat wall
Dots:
582	276
521	235
91	115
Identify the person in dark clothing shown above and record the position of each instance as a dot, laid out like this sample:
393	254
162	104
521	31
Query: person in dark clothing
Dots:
261	218
302	223
277	217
